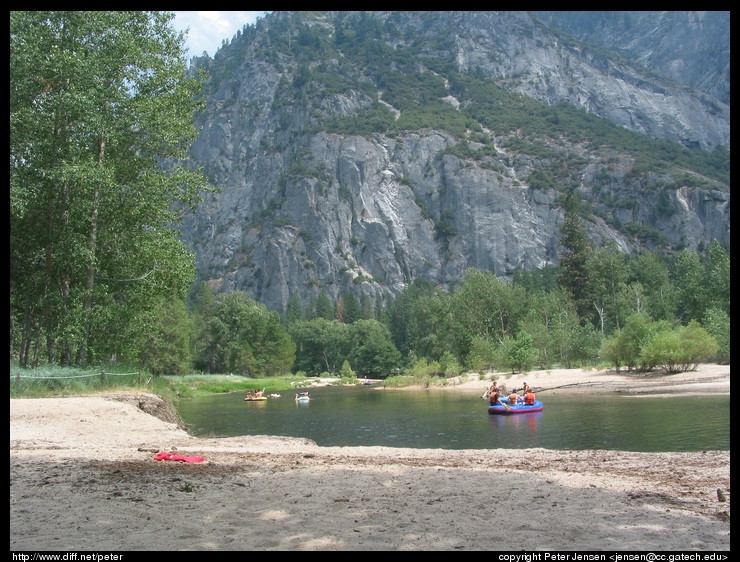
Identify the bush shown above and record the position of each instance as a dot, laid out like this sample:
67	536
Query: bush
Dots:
680	350
449	365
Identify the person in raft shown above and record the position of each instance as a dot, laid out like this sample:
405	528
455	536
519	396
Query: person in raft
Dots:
495	398
491	391
514	398
528	396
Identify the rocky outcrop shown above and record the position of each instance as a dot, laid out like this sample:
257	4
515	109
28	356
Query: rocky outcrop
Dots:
302	210
690	48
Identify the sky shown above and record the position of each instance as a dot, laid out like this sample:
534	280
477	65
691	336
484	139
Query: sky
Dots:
209	29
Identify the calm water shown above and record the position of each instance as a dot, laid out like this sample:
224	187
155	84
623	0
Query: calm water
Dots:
361	416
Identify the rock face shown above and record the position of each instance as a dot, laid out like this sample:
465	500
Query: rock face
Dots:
302	210
690	48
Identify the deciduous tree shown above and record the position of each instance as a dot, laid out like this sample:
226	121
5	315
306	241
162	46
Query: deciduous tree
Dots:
99	101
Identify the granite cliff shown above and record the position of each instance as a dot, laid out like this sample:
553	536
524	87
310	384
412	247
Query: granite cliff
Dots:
358	151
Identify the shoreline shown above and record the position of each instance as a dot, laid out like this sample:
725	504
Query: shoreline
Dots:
94	457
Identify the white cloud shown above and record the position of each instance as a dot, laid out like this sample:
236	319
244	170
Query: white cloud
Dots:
209	29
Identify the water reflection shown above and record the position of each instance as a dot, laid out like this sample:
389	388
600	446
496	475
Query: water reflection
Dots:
518	422
516	431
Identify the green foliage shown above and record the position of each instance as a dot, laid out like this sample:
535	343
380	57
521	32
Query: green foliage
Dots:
192	385
347	371
293	310
486	306
717	278
326	345
645	233
324	308
165	341
99	100
543	279
410	320
680	349
423	368
625	346
444	230
553	324
612	351
540	179
246	339
450	366
577	250
405	380
321	344
481	355
376	118
352	312
581	346
521	353
717	324
607	277
655	292
688	279
373	353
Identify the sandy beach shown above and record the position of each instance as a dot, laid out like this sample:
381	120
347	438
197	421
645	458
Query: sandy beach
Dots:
83	476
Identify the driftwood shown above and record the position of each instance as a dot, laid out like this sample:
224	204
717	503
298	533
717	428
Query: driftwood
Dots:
582	383
538	390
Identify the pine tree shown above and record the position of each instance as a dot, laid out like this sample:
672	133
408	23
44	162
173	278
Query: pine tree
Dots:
324	308
576	252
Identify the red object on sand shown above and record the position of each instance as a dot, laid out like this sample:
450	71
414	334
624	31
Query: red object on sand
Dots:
164	456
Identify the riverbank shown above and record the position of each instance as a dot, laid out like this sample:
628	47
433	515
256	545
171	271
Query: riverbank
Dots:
83	477
706	380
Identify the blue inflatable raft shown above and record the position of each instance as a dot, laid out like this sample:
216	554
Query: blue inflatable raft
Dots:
515	408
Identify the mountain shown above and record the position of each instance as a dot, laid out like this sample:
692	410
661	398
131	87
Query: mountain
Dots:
358	151
690	48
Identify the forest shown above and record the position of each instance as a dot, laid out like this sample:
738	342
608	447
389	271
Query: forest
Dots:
643	313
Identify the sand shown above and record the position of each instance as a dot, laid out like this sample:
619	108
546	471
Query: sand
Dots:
83	477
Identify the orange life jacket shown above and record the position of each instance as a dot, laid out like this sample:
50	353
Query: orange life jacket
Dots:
529	398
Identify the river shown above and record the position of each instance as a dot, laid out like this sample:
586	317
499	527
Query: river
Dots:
363	416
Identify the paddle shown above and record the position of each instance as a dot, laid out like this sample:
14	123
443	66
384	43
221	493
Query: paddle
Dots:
504	404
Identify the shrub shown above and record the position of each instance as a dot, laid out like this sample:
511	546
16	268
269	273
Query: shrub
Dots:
680	350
